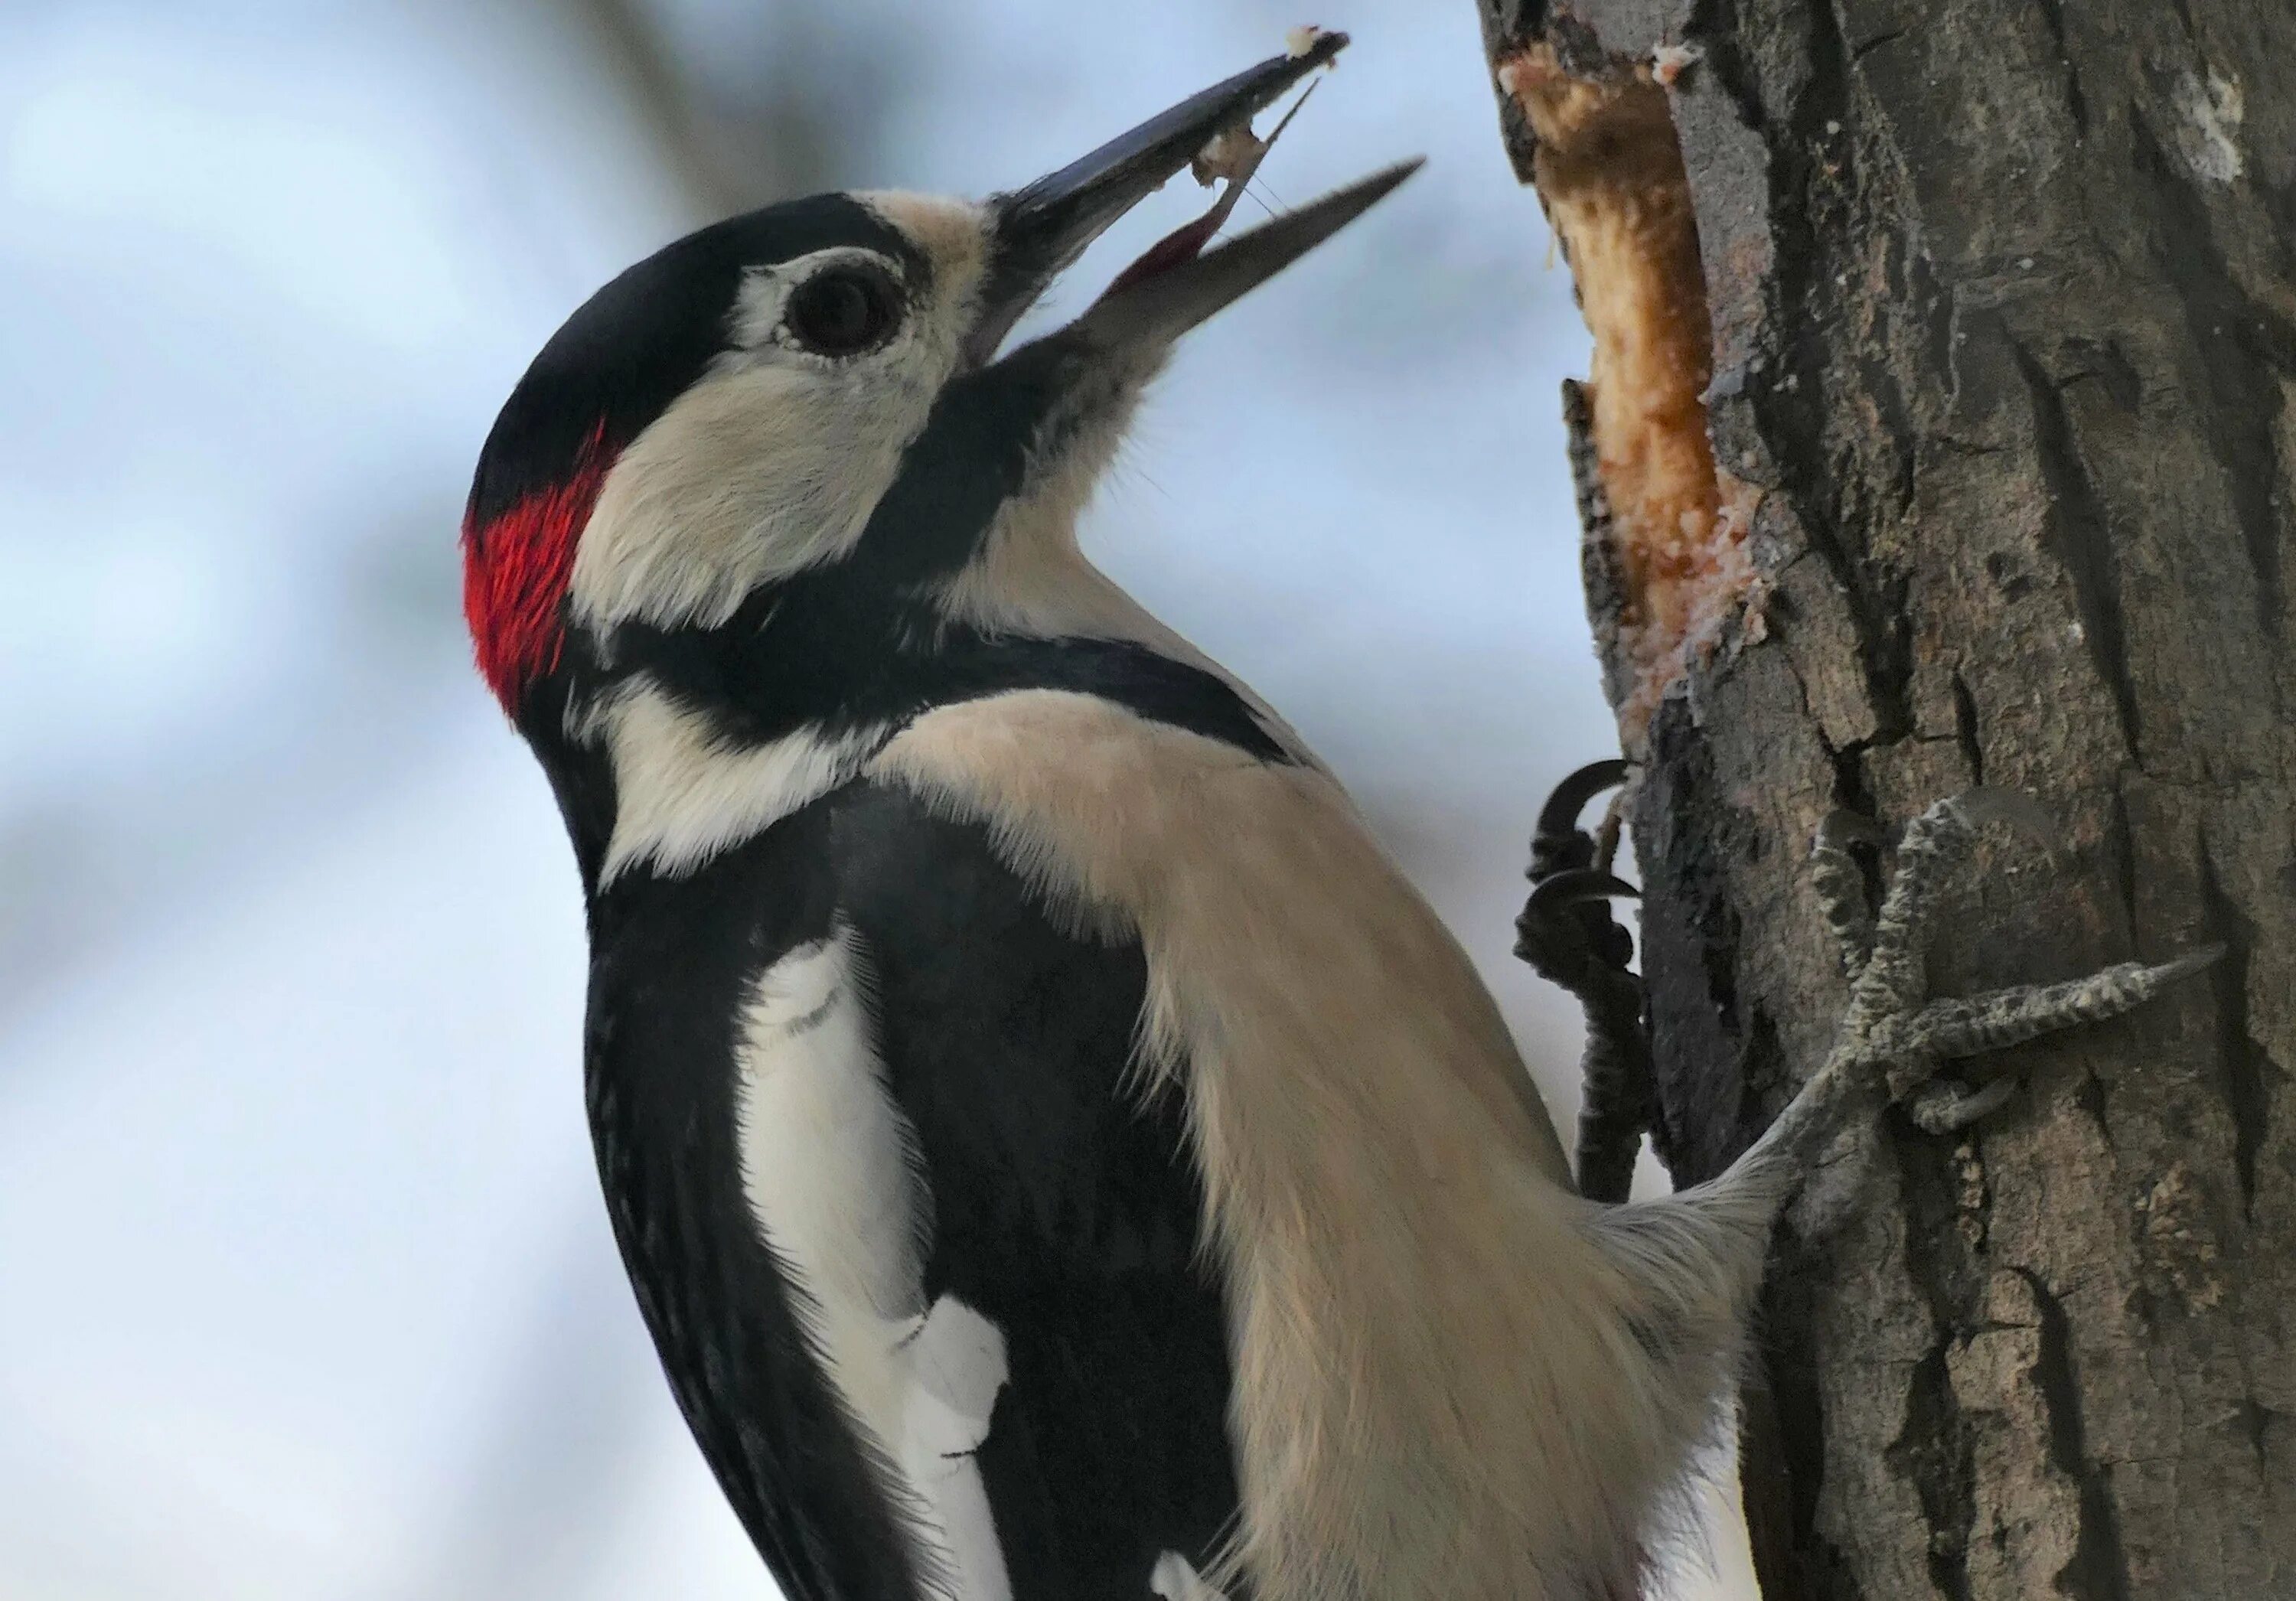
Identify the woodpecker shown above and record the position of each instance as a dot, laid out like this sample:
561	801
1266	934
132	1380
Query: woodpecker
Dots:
1056	1153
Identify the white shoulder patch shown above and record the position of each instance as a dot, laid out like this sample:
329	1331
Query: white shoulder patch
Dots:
825	1152
828	1168
956	1367
682	794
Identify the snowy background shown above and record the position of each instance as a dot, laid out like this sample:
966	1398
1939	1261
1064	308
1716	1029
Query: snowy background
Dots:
308	1292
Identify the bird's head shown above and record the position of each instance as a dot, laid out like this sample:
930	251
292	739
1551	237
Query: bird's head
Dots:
804	409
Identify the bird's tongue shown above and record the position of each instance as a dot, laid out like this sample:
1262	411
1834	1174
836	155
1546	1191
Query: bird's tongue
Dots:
1183	243
1231	159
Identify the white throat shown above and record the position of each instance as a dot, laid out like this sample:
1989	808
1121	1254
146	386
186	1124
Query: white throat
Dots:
683	793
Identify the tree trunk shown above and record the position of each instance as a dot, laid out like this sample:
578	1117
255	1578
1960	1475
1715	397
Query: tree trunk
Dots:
1939	434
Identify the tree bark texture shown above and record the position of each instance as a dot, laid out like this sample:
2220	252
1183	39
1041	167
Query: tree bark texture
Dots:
1996	375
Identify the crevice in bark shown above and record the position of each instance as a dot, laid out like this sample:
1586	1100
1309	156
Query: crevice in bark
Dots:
2080	539
2240	343
1965	728
1877	369
1852	789
1935	1447
1939	317
1866	46
1783	1466
1518	21
2249	1077
2120	840
1705	1121
1714	24
1767	1489
2279	201
2098	1568
2053	17
2256	1423
1814	174
2093	1097
1934	1451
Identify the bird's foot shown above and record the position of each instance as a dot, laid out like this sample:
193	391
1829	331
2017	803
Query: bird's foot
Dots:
1569	936
1895	1039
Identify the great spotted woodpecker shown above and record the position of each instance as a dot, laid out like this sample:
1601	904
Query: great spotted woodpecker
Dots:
1056	1153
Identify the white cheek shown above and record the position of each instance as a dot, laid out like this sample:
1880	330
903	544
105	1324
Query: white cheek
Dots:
774	460
756	474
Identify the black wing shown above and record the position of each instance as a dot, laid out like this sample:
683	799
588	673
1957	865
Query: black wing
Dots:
670	960
1066	1207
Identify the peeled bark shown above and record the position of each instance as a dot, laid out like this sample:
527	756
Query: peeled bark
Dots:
1990	340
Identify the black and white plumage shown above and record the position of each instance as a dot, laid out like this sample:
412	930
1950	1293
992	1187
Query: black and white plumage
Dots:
1056	1153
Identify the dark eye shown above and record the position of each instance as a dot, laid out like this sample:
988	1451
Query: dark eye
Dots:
843	310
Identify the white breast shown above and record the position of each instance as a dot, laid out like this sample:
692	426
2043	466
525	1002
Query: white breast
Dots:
826	1168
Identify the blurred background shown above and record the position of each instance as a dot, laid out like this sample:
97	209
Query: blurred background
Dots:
304	1287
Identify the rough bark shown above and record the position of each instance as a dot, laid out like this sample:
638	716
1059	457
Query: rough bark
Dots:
2002	301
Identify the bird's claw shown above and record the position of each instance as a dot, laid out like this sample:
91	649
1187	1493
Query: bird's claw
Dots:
1559	843
1947	1106
1566	929
1568	935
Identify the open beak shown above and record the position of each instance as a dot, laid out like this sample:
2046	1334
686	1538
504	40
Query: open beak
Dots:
1041	229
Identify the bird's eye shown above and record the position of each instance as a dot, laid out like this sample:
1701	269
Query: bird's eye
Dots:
843	310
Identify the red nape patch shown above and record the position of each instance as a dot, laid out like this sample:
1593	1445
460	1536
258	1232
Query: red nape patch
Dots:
515	571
